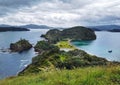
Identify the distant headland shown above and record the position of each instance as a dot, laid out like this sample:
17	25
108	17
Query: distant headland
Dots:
4	29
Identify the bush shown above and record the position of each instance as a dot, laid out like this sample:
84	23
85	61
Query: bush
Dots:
42	46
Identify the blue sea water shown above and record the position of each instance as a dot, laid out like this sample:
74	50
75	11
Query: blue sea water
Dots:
12	63
106	41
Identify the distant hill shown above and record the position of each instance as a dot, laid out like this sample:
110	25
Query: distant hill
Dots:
111	28
33	26
4	25
114	30
4	29
104	27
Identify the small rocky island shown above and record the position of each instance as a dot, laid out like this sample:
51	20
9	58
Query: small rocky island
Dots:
4	29
20	46
73	33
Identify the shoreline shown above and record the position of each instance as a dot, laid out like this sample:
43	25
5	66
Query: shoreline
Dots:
69	42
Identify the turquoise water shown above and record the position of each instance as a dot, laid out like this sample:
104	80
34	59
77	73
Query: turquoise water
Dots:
12	63
105	41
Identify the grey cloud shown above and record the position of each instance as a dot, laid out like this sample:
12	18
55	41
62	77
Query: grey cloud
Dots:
9	6
60	12
16	3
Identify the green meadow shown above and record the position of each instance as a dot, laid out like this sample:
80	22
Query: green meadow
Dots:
99	75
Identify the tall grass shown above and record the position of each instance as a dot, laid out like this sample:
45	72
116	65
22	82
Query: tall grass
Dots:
108	75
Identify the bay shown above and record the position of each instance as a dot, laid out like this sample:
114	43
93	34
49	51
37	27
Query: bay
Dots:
12	63
105	42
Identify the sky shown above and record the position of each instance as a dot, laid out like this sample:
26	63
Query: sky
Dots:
60	13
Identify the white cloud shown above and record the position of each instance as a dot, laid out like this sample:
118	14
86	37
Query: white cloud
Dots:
66	13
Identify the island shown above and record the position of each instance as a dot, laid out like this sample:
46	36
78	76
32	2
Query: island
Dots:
20	46
4	29
73	33
114	30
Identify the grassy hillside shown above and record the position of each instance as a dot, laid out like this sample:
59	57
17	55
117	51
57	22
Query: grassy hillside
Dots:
65	44
109	75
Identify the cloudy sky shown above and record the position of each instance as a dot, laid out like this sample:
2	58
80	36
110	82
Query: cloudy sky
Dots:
60	13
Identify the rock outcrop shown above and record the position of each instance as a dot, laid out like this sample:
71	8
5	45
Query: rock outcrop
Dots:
20	46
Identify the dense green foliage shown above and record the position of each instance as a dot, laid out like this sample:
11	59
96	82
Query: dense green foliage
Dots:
74	33
50	56
20	46
104	75
43	46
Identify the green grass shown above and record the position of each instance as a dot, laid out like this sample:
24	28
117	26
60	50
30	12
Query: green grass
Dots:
109	75
65	44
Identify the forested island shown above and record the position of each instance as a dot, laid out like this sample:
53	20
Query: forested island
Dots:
20	46
4	29
73	33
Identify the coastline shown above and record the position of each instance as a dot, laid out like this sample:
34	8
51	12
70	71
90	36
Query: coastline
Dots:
77	71
70	44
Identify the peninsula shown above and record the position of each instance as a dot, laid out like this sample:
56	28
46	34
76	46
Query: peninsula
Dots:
4	29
